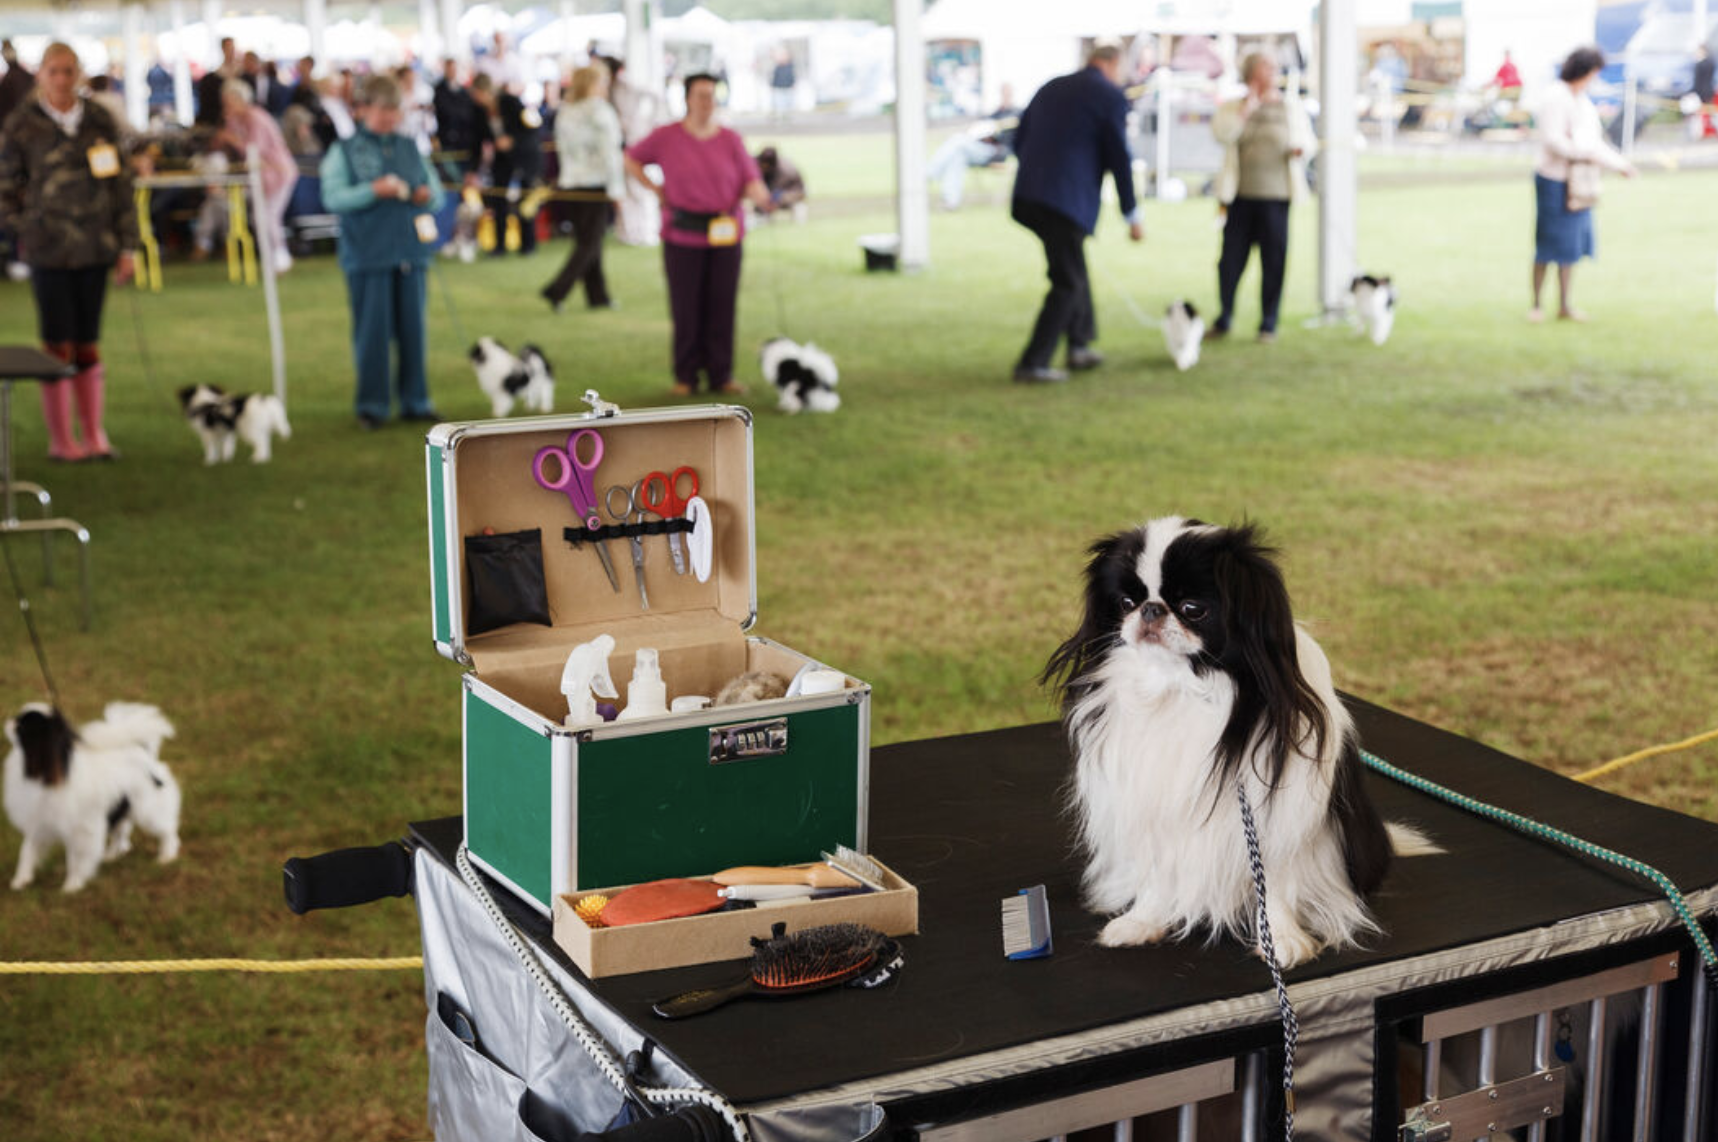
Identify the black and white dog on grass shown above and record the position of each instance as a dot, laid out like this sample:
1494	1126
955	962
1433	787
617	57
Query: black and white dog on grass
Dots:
804	376
221	419
507	380
1373	308
86	789
1188	678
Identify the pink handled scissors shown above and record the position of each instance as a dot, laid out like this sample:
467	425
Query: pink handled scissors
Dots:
662	497
574	480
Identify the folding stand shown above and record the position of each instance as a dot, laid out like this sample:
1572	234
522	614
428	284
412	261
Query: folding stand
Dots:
23	363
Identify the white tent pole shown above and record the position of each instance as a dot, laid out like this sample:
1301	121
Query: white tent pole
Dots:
1165	115
1337	177
182	108
429	37
453	45
316	23
1700	22
263	223
136	75
912	194
212	27
567	55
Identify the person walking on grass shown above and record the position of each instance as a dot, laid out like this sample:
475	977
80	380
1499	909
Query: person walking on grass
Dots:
706	174
386	194
1572	149
587	141
1072	133
64	190
1265	142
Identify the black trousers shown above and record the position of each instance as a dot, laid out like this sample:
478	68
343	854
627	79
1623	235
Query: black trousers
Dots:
584	263
1067	309
1254	222
703	288
69	303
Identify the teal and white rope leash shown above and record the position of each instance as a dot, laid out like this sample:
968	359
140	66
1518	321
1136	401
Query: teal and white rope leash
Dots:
1708	958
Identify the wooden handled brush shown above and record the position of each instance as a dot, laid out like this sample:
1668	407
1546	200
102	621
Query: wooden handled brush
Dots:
815	875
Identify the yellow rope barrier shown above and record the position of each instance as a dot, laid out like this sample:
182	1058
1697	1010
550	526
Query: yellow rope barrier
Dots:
1642	754
164	967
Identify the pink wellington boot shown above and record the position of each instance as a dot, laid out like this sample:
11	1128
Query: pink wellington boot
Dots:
90	386
57	413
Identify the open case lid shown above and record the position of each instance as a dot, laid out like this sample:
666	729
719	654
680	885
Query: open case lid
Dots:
480	476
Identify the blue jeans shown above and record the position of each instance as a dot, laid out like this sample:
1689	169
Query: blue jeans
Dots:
389	338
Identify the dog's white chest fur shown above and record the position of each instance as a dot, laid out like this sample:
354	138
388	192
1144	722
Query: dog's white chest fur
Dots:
1165	843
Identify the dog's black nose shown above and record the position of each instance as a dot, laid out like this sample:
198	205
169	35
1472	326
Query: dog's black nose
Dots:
1153	612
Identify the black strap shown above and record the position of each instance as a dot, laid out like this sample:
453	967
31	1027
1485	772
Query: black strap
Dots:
580	535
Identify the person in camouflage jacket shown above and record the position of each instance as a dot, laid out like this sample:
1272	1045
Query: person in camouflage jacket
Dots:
64	190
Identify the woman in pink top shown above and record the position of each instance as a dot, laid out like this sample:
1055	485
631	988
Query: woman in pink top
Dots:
706	173
246	125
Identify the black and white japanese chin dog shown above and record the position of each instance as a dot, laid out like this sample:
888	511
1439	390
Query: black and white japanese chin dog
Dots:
804	376
1373	306
85	789
1187	678
221	419
506	379
1183	333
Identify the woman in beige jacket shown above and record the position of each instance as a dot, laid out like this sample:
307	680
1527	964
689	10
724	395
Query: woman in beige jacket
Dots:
1266	140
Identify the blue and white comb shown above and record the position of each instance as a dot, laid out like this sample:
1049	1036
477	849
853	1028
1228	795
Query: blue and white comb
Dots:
1026	925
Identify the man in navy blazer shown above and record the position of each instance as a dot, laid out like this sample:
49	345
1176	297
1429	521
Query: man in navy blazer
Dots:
1071	134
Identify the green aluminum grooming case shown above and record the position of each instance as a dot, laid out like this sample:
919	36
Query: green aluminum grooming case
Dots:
550	810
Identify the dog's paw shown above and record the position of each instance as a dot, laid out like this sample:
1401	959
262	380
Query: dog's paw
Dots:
21	881
1294	945
1127	931
169	851
72	886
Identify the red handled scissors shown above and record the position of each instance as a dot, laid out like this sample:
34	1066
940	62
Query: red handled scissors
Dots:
662	498
574	480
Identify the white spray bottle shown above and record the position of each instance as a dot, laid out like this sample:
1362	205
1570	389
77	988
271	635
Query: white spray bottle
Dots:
586	679
646	695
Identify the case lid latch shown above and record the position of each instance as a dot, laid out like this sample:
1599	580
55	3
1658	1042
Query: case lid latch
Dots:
599	408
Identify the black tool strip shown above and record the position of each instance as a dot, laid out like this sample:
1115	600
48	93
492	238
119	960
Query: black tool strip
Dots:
578	535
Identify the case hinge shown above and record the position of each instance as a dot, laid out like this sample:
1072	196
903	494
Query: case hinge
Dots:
748	740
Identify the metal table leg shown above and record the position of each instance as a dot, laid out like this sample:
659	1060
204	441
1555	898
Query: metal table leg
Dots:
46	525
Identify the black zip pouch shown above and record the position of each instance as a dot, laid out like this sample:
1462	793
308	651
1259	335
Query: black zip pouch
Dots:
506	573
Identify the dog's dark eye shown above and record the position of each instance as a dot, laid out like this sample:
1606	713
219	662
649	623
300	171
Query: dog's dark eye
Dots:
1192	612
1127	604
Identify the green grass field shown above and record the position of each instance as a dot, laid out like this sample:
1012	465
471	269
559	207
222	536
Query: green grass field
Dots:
1502	529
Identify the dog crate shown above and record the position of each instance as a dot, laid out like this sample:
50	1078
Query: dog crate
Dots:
1499	957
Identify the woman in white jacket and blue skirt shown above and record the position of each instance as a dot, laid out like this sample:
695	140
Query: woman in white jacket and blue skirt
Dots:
1572	149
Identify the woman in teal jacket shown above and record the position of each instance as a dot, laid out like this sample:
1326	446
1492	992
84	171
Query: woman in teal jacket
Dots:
387	196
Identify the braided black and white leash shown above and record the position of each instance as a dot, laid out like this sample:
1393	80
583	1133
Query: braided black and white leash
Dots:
1267	948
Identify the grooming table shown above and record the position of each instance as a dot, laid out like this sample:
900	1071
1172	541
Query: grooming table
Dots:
26	363
966	1044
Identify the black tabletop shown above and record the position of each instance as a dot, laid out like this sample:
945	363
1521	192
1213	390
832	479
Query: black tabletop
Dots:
27	363
974	818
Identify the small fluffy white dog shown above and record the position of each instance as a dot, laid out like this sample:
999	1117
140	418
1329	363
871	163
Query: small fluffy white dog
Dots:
804	376
466	216
1374	306
85	790
1183	333
506	379
221	419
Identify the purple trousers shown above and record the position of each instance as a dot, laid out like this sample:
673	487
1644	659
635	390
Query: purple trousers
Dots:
703	286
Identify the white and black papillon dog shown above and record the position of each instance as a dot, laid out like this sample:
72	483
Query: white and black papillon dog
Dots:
1187	678
1373	308
804	376
221	419
85	789
1183	333
506	379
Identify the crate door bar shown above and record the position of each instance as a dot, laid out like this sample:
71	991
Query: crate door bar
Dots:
1693	1114
1596	1070
1646	1074
1111	1105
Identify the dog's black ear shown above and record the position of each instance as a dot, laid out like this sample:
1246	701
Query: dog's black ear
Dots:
1067	673
185	395
46	740
1276	710
476	353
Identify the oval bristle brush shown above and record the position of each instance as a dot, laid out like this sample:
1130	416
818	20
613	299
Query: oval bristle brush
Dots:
808	960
